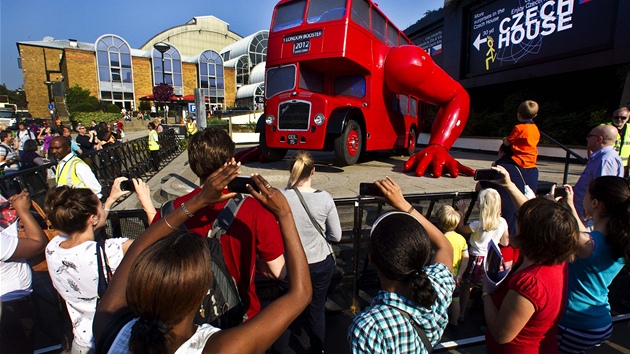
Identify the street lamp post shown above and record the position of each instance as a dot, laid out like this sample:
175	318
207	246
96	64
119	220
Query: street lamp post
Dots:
162	48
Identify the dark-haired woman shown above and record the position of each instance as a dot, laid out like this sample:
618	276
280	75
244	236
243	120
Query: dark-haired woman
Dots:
416	295
72	255
176	266
601	255
523	314
30	157
321	207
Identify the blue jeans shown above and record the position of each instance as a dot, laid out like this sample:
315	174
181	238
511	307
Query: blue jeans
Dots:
321	274
530	177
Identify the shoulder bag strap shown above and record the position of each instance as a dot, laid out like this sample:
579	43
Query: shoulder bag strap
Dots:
317	226
104	277
222	223
314	222
419	330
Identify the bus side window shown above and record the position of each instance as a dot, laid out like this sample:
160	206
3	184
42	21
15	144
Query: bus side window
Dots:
361	13
413	107
392	35
395	104
378	25
353	85
404	105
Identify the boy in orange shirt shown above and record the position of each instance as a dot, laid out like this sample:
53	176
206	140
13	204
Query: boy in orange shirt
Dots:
525	136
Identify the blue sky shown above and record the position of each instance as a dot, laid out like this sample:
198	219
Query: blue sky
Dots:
139	20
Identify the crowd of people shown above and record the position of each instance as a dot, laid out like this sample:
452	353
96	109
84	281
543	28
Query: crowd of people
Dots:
143	296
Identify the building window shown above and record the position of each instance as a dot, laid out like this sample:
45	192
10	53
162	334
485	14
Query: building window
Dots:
211	76
172	69
115	76
258	48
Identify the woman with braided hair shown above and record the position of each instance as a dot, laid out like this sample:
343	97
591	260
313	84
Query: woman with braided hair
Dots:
410	313
601	256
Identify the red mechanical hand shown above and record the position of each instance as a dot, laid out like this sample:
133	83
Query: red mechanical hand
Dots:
436	158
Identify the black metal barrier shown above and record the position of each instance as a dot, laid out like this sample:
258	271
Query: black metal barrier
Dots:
130	158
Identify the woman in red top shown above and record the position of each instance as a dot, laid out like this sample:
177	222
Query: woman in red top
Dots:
522	315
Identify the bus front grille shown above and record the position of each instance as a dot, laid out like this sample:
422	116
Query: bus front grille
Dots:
293	115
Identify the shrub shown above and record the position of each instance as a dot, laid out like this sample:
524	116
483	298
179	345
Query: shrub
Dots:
86	117
112	108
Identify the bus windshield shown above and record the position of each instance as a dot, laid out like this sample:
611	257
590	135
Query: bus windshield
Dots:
279	80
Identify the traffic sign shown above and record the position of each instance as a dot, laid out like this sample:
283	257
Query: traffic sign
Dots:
51	106
192	108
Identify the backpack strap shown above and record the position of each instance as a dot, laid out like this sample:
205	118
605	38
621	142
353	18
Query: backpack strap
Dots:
222	223
419	330
316	225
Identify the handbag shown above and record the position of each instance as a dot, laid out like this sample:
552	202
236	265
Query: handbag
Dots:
315	223
38	262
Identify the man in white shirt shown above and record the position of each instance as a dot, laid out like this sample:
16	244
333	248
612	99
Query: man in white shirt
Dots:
71	170
23	135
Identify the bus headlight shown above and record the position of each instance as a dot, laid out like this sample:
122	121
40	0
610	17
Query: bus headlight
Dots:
269	119
319	119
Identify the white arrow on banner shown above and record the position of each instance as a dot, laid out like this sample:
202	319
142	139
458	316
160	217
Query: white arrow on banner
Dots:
479	40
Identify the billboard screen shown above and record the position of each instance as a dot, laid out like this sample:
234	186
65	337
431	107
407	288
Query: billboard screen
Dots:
507	34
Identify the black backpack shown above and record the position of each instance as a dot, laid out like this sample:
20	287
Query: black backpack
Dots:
222	306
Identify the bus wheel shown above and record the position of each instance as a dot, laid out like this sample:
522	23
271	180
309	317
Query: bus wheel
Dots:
270	154
348	146
412	138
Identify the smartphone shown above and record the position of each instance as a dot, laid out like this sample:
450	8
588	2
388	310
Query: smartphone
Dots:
486	174
127	185
560	192
239	185
370	189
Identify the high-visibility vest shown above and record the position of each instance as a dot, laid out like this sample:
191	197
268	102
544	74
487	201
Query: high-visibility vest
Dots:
153	141
67	174
191	128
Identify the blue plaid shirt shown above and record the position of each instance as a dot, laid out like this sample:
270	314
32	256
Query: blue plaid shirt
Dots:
381	328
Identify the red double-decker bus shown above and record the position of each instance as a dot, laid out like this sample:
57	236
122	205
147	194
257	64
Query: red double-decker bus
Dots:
325	84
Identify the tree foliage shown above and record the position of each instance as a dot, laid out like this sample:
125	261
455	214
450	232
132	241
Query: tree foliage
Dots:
79	99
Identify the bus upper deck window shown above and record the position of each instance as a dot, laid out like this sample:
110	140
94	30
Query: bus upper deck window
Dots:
392	35
325	10
289	15
361	13
378	25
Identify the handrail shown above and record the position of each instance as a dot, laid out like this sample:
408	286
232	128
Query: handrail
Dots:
583	161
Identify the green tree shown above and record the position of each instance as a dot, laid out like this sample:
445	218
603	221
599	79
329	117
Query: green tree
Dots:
79	99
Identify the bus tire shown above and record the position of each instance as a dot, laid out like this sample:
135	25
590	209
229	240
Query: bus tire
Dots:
412	138
348	145
270	154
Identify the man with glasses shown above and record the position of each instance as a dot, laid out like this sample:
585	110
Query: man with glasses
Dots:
86	140
602	161
622	144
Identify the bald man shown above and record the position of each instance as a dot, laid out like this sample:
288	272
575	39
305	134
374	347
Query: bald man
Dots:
603	161
71	170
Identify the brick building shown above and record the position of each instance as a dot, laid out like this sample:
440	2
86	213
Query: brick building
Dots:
197	55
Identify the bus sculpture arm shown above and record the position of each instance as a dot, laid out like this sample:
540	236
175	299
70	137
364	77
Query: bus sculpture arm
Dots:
409	69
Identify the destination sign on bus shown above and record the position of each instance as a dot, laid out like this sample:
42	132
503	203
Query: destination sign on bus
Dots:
507	33
302	42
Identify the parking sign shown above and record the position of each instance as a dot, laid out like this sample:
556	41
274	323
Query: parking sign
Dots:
192	108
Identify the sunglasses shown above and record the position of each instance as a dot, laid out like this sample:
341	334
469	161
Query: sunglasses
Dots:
620	117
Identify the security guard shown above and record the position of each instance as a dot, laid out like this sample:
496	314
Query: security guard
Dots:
191	127
71	170
154	146
622	145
